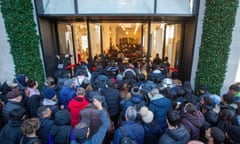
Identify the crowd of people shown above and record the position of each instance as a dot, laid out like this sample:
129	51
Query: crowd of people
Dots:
115	106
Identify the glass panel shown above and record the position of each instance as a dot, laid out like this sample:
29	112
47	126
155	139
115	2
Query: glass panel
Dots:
173	44
174	6
81	41
95	40
65	40
157	32
58	7
115	6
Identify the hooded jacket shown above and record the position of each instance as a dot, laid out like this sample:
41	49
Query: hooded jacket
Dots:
193	123
175	136
60	132
159	105
11	133
75	105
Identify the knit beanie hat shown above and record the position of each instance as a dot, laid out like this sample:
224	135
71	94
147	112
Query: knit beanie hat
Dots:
217	134
147	115
49	93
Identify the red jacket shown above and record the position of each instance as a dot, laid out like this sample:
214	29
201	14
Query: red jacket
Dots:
75	105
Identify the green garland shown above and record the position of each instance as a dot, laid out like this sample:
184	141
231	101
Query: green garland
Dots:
218	25
23	39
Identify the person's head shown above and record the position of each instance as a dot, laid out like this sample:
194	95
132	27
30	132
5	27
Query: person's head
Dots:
50	93
81	131
190	108
226	115
203	89
131	113
227	99
153	92
62	117
215	135
50	82
80	91
44	112
32	84
14	95
110	83
173	118
233	89
207	103
146	114
30	126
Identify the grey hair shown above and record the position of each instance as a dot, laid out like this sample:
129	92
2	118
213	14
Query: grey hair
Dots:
131	113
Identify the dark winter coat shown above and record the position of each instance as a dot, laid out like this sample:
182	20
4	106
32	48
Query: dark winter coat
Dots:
112	97
11	133
65	95
153	132
159	105
193	123
60	132
33	104
44	130
133	129
175	136
11	105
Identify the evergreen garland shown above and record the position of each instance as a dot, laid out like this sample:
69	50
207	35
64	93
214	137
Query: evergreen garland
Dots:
23	38
219	21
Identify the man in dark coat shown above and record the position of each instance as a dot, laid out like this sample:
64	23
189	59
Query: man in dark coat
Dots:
11	132
112	97
14	102
176	132
159	105
133	129
44	114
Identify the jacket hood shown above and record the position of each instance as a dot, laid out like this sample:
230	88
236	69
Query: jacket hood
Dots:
78	102
211	117
62	117
178	134
197	120
136	99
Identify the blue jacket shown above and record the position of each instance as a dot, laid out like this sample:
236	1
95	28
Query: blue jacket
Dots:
44	130
98	137
159	105
133	129
65	95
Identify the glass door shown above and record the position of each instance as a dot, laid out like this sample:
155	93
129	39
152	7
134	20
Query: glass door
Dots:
166	42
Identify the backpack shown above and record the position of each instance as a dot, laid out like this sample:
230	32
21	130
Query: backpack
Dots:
126	139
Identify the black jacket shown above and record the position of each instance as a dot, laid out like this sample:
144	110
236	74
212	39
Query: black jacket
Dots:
112	97
11	133
175	136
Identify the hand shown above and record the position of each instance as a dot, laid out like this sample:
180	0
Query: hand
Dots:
98	104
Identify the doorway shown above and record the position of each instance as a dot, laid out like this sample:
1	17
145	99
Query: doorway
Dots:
86	41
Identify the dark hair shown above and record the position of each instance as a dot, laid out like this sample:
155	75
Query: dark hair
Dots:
42	110
174	118
228	98
208	103
190	108
31	83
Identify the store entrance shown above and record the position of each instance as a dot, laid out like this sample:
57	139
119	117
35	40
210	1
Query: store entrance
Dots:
90	41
